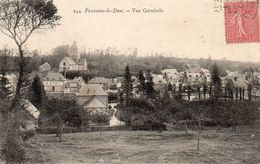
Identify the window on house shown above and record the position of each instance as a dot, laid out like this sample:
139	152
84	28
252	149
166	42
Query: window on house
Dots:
53	88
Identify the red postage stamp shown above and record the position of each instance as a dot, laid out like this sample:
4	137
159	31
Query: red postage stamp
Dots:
241	22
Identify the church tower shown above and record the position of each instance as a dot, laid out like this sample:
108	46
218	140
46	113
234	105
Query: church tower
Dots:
74	52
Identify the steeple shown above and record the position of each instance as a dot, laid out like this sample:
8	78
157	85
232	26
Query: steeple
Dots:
74	52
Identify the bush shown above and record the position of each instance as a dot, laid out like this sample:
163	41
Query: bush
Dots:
112	97
12	148
25	135
100	118
229	113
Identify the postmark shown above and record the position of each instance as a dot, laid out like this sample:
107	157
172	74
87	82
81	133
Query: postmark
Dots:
241	22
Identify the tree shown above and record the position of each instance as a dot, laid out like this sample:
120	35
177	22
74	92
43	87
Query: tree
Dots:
189	92
249	90
5	86
198	89
199	112
173	111
142	82
149	85
215	80
18	20
62	113
141	114
170	87
37	93
204	90
128	85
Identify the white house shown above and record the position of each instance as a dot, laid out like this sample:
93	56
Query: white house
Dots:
73	62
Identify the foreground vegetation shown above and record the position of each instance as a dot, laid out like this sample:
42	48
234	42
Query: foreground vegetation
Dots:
217	146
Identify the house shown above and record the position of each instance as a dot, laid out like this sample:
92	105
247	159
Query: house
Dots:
105	83
30	115
237	86
54	85
195	74
71	86
73	62
256	94
45	67
159	82
30	108
94	106
171	74
119	81
206	74
93	98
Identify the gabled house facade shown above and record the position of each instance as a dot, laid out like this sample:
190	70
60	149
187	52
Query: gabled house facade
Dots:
105	83
71	64
93	98
74	62
45	67
54	83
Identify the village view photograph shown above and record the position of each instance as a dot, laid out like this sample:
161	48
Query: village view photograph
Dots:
125	87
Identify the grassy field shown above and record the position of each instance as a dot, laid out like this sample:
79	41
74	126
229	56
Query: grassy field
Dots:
217	146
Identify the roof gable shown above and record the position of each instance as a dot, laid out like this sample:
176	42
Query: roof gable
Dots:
91	90
82	61
28	106
53	76
94	103
70	60
100	80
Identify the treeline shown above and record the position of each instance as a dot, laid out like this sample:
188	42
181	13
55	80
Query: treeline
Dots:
112	63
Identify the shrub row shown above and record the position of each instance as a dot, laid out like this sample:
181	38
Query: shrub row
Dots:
53	130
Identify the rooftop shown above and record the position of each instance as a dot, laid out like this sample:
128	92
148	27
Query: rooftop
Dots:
91	90
53	76
100	80
94	103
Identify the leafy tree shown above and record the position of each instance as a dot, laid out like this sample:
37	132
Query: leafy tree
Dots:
215	80
172	111
112	97
128	85
5	86
249	90
142	82
149	85
62	113
18	20
37	93
170	87
204	90
145	109
199	112
189	92
198	89
12	149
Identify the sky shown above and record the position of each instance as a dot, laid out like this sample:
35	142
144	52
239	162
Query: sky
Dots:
186	28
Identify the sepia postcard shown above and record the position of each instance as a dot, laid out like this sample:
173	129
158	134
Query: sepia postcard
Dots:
130	81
